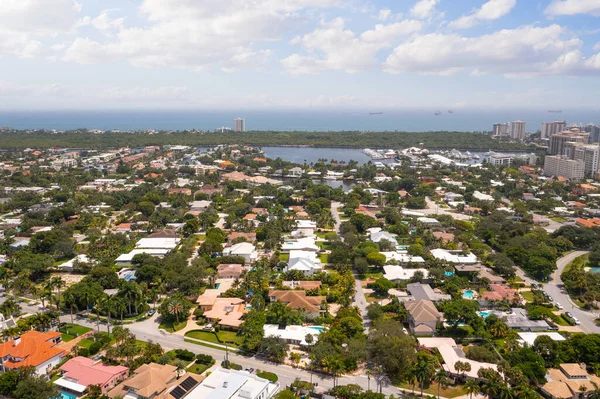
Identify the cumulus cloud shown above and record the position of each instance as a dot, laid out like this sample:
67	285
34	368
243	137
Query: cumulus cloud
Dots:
424	9
25	23
524	51
493	9
573	7
333	47
197	35
384	14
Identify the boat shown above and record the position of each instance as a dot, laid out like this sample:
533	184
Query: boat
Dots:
555	111
437	113
476	156
375	113
450	111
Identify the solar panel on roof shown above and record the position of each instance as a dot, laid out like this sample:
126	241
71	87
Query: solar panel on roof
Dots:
178	393
188	384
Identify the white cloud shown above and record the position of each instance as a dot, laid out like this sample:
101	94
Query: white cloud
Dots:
573	7
24	24
492	10
105	23
596	46
333	47
524	51
384	14
197	35
424	9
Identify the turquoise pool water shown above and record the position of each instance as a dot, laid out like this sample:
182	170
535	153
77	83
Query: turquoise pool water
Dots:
318	328
468	294
64	395
483	314
595	269
217	286
449	274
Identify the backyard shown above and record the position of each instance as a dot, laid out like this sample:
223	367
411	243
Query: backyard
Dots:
71	331
220	337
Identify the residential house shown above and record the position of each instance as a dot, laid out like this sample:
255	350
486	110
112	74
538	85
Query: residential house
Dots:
233	384
569	381
156	381
423	317
234	235
457	256
6	323
403	258
294	335
32	349
227	311
306	262
377	235
230	270
397	274
499	292
518	319
79	373
243	249
305	228
298	300
301	244
419	292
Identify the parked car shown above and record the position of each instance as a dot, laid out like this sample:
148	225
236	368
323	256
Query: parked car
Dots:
576	320
250	370
151	312
558	306
208	327
569	314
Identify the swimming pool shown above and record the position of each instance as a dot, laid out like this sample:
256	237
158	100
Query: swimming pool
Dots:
468	294
595	269
449	274
64	395
483	314
318	328
217	286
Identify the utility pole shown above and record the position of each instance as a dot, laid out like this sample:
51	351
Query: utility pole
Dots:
226	355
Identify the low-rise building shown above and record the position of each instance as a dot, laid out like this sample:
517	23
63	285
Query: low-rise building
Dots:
243	249
298	300
79	373
398	273
305	262
569	381
233	384
423	317
457	256
230	270
294	335
32	349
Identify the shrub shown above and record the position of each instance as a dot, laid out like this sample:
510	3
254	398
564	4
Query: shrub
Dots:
95	348
198	312
204	359
85	352
267	375
230	365
184	354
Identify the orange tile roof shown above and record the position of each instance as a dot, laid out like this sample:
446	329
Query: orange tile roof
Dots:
298	300
588	222
34	349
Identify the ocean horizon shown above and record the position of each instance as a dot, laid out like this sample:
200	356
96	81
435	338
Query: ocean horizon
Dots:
298	120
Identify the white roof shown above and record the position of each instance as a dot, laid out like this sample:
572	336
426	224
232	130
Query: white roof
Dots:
383	235
158	243
427	220
242	248
306	224
73	386
402	257
529	337
451	354
453	256
153	252
393	272
82	258
307	244
231	384
482	197
296	333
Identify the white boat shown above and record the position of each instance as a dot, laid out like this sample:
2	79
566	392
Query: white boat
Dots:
476	156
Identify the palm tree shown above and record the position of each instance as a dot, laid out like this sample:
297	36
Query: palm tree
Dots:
471	386
133	293
180	368
119	306
440	378
10	307
58	283
105	305
175	308
69	299
425	371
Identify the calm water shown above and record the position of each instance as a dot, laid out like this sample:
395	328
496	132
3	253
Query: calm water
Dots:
310	155
301	120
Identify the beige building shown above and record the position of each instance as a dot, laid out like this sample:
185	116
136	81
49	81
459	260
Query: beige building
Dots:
590	155
550	128
517	130
569	381
560	165
423	317
558	140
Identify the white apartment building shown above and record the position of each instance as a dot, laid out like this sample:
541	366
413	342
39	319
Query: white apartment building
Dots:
560	165
500	130
590	155
239	125
550	128
501	159
517	130
232	384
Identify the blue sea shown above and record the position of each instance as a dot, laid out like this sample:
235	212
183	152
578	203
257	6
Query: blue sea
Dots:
300	120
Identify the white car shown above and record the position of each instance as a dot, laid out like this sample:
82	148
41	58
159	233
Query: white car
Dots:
208	327
576	320
558	306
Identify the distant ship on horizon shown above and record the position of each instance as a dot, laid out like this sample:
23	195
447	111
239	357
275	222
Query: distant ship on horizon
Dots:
437	113
376	113
450	111
555	111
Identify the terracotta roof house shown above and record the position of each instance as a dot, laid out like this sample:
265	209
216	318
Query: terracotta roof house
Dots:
443	236
566	382
230	270
499	292
228	311
423	317
304	285
79	373
298	300
250	237
35	349
588	222
155	381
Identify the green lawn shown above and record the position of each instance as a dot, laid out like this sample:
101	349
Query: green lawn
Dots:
172	327
448	392
284	257
559	219
86	343
67	337
198	368
527	295
75	329
323	258
267	375
323	245
221	337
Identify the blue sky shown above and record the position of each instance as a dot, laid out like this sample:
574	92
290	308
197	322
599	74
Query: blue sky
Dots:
298	54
